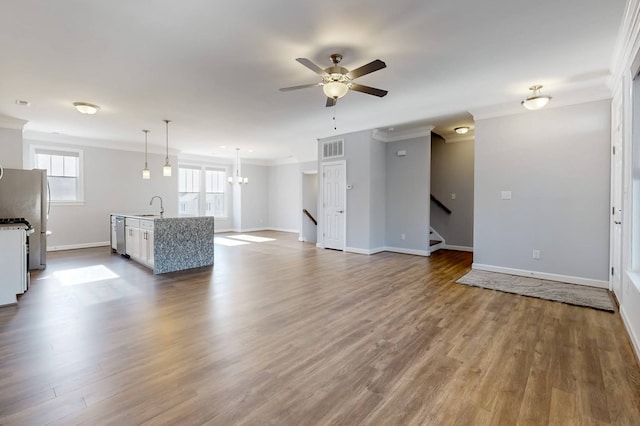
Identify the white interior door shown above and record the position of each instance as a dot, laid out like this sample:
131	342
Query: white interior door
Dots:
616	200
333	185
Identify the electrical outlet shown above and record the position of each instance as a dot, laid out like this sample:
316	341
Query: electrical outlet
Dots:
403	237
453	196
506	195
536	254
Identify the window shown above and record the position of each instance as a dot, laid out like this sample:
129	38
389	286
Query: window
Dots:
202	191
215	184
63	170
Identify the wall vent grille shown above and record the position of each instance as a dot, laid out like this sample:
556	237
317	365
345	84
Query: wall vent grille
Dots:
332	149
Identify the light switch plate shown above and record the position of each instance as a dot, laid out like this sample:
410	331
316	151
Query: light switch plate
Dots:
506	195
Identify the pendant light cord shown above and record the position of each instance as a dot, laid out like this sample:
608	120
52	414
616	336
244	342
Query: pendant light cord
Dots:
167	153
146	133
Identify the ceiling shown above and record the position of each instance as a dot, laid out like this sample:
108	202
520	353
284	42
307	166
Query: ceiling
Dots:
214	68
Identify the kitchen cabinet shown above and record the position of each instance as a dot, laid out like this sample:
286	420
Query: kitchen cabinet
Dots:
114	234
139	240
165	244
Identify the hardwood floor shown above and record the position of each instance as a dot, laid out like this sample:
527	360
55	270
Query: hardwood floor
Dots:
279	332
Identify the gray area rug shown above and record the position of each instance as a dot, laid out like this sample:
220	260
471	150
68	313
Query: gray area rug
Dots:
572	294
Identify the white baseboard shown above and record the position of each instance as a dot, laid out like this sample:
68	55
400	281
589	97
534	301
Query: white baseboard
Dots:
266	228
542	275
457	248
408	251
78	246
390	249
293	231
635	341
220	231
364	251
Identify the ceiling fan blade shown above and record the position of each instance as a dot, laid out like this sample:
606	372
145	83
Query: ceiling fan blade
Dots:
331	102
303	86
366	69
313	67
368	90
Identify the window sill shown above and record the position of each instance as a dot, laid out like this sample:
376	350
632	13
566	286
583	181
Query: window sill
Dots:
634	277
68	203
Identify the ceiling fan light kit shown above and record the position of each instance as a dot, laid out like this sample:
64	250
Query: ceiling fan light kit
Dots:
536	100
338	80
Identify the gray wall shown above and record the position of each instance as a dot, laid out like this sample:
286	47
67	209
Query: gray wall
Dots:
284	197
452	173
556	163
254	197
407	194
10	148
357	150
112	184
309	202
378	195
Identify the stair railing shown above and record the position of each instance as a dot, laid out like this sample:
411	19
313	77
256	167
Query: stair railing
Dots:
440	204
310	216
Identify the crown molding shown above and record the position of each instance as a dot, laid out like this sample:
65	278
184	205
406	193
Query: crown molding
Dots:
59	138
627	42
459	138
13	123
399	135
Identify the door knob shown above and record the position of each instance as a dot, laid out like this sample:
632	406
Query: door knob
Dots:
617	222
340	211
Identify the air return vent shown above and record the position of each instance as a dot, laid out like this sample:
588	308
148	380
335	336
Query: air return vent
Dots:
332	149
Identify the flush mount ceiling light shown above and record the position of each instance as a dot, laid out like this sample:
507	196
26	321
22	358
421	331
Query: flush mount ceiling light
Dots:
166	170
536	100
86	108
146	173
461	130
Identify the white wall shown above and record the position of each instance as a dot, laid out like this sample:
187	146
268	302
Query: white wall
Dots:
452	173
407	200
556	164
112	184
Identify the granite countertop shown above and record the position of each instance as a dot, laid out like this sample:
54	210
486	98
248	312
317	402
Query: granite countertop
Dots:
145	216
151	216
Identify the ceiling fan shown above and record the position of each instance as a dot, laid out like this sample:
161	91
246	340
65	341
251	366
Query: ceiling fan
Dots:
337	80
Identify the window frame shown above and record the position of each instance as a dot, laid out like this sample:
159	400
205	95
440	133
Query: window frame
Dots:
54	150
203	167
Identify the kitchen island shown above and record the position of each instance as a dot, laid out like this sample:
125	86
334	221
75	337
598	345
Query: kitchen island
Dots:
165	244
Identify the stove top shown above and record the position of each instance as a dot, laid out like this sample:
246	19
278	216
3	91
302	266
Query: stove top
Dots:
14	220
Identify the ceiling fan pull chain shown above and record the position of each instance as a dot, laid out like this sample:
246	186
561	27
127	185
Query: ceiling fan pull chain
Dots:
335	110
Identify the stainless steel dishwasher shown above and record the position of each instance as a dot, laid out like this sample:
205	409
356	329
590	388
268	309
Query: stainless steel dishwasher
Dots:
120	236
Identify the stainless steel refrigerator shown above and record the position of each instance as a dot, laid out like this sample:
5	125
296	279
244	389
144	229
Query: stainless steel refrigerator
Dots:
24	194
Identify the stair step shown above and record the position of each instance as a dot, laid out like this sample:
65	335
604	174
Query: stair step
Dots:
434	242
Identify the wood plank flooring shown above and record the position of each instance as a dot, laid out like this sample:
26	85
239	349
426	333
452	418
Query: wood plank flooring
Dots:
280	332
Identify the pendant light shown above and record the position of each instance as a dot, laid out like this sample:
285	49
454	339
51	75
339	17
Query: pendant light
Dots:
238	179
536	100
146	173
166	170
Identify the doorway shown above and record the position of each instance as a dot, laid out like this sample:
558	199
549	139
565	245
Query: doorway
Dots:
334	205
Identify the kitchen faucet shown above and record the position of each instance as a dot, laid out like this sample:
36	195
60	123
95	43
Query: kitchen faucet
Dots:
161	206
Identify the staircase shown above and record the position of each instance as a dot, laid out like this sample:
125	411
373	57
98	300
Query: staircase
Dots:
436	242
